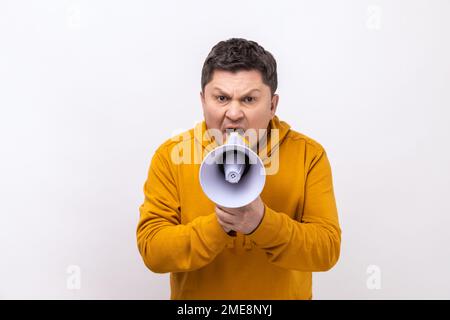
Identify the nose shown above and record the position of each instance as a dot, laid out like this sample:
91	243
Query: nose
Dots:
234	112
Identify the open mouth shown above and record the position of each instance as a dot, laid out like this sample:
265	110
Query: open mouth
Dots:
234	129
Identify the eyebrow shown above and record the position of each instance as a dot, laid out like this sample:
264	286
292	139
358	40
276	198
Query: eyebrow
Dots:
222	91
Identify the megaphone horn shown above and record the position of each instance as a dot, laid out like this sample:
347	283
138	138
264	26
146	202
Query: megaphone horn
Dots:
232	175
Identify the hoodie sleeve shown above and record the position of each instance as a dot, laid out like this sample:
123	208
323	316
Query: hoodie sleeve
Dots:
164	243
313	243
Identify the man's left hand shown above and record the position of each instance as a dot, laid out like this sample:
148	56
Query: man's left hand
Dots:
244	219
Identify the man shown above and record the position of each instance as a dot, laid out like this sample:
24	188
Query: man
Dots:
288	232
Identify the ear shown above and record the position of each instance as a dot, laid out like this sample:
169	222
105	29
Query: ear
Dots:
202	97
274	104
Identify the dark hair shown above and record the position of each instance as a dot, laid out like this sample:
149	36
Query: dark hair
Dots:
238	54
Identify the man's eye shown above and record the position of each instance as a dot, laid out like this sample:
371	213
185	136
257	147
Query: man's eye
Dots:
221	98
249	99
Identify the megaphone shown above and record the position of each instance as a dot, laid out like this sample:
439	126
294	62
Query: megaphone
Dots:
232	175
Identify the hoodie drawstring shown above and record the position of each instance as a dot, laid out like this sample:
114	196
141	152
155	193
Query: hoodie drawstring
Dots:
231	243
247	243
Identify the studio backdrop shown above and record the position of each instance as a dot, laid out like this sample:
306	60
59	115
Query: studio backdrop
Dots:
90	89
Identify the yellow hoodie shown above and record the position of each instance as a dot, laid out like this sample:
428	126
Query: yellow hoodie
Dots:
178	231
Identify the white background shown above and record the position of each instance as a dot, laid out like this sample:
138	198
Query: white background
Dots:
89	89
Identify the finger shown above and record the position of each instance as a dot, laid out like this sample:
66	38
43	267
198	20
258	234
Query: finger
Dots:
231	211
226	226
224	216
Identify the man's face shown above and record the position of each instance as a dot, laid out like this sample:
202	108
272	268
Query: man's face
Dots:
239	100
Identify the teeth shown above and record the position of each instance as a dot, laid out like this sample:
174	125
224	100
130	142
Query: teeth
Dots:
234	129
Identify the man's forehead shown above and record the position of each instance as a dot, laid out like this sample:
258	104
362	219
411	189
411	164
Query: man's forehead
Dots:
225	90
244	81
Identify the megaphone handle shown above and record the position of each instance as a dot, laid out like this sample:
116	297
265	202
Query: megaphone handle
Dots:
232	233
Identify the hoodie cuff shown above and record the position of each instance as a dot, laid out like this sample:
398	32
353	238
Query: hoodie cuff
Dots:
268	229
213	233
